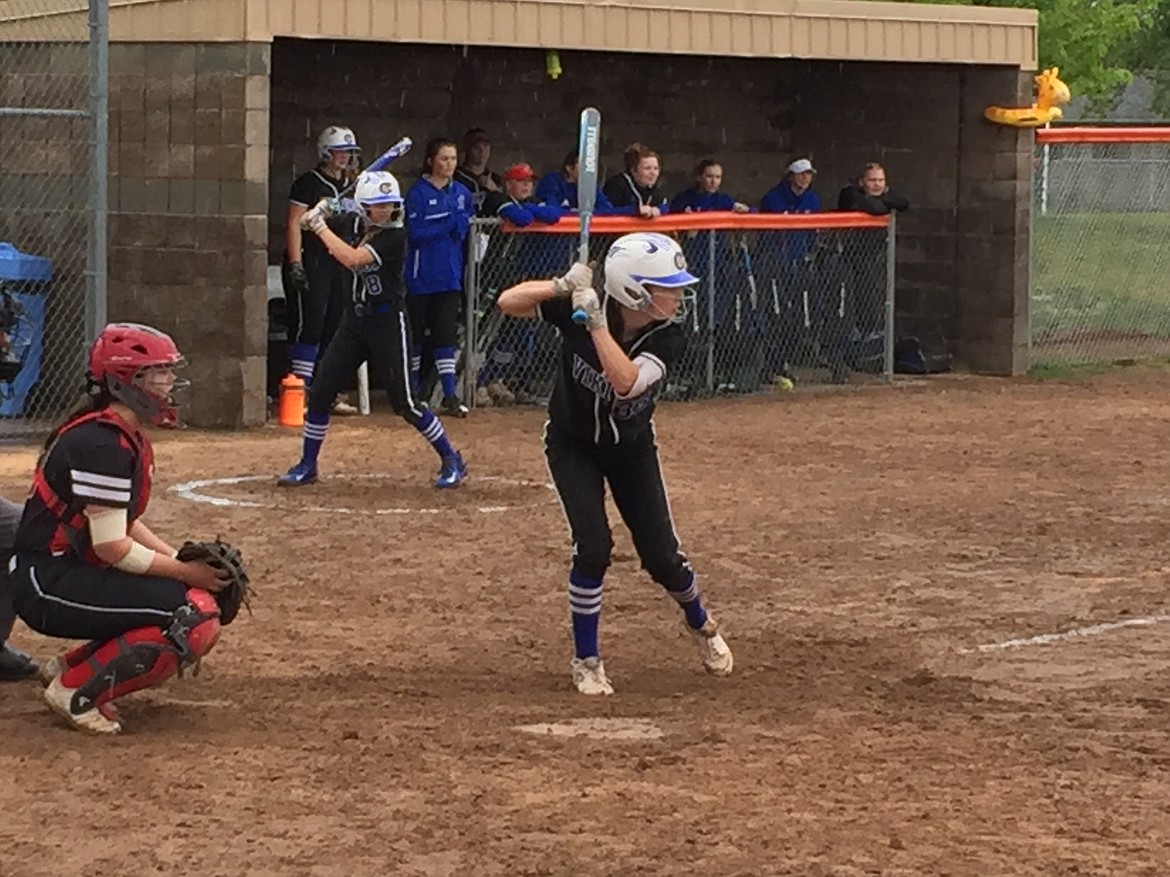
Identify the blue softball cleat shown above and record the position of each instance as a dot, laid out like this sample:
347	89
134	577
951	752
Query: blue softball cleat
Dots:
299	475
453	472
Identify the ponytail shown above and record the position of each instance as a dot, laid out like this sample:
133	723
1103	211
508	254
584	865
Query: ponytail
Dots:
95	399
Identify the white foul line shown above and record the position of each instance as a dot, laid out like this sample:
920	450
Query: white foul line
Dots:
192	491
1044	639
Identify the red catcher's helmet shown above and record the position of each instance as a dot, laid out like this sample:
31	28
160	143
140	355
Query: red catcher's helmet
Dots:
117	360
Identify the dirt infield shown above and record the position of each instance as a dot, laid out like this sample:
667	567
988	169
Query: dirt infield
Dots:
859	549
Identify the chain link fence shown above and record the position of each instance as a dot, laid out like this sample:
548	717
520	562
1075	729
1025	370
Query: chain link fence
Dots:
1100	263
53	88
807	305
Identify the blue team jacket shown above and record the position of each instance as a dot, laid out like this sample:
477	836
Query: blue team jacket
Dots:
697	247
794	245
437	221
553	188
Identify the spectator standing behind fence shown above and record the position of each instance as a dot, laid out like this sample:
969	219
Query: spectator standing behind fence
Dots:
705	196
473	172
316	288
508	370
438	216
636	192
560	188
789	276
866	249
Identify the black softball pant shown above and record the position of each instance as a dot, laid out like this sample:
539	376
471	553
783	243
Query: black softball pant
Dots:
438	312
64	597
315	313
580	470
380	337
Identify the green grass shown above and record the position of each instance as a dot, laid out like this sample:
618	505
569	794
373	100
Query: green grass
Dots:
1054	371
1101	273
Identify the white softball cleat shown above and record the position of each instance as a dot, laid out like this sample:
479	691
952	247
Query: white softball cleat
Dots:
93	720
589	676
713	649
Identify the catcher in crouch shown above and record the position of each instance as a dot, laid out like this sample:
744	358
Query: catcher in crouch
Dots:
86	566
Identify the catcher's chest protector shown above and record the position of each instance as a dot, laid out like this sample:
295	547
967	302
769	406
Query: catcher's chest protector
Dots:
69	515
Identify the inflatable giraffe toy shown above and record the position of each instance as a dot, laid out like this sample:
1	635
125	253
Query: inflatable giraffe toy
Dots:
1051	95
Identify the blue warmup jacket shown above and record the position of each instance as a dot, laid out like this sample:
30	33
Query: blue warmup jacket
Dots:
437	222
696	248
793	245
553	188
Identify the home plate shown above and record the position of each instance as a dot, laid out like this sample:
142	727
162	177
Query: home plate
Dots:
604	729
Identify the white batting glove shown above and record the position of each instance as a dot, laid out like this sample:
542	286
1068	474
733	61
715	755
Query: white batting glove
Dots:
313	220
585	299
579	276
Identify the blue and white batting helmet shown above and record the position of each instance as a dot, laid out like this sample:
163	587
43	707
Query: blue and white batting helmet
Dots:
642	259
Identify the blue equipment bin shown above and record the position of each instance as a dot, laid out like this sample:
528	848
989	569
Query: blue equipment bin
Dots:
27	279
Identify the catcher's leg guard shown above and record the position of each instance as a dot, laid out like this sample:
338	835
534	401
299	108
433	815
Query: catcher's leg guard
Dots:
146	656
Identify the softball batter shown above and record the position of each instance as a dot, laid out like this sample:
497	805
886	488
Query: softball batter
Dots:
373	328
599	430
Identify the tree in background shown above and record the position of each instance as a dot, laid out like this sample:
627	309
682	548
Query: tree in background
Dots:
1097	44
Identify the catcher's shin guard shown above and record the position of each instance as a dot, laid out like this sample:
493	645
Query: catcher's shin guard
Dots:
146	656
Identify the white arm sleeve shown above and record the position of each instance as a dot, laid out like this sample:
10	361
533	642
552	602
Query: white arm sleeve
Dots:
106	524
650	372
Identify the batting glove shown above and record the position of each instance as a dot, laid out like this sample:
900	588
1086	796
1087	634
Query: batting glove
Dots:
585	299
580	276
313	220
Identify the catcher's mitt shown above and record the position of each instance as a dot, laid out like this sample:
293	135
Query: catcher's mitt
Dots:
221	556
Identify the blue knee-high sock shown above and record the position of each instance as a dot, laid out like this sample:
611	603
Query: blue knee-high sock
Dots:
585	605
445	366
432	430
316	425
304	359
692	604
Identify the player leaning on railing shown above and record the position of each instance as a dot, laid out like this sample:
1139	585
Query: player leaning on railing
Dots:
599	430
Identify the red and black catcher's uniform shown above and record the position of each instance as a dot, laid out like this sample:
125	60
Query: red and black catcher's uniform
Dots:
141	628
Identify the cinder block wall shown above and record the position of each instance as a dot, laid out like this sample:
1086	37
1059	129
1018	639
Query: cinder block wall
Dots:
188	212
963	247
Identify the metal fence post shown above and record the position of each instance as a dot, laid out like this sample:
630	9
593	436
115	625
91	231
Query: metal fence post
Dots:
96	260
891	251
711	312
471	352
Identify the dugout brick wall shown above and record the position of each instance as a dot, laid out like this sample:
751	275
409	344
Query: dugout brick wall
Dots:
197	196
963	247
188	204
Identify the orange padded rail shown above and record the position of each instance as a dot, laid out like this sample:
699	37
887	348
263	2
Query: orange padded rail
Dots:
1103	135
716	219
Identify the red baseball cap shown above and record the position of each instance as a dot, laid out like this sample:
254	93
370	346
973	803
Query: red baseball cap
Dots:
520	171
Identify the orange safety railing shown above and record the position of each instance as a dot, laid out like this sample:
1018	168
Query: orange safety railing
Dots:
783	300
1086	134
710	221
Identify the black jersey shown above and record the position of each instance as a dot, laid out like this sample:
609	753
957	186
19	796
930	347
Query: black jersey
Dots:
383	280
97	460
583	402
307	190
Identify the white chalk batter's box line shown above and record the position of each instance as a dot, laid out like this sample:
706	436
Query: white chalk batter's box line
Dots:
192	491
1044	639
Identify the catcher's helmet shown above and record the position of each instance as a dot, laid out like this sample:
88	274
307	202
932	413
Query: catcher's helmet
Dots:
119	360
642	259
379	188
